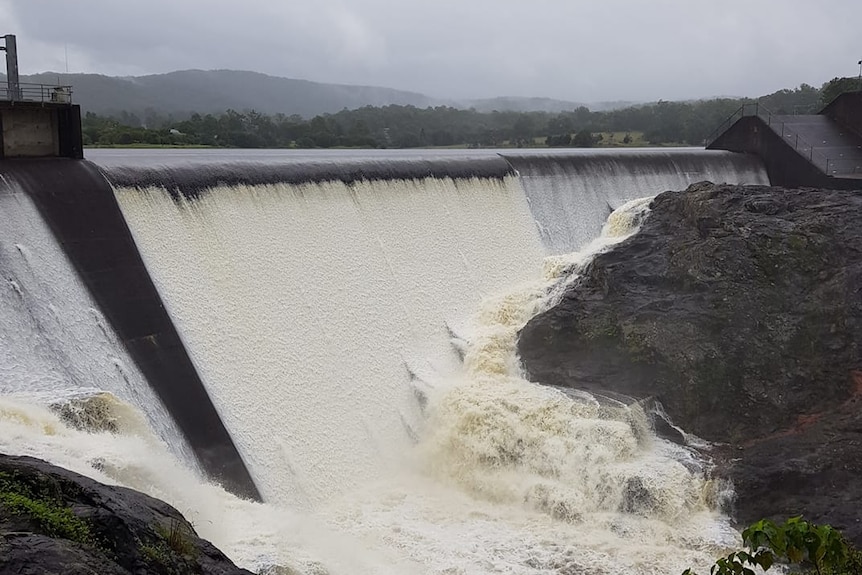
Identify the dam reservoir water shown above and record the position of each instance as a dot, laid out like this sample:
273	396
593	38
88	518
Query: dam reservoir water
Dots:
353	319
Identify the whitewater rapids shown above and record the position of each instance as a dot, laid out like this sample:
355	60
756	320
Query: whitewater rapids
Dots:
506	476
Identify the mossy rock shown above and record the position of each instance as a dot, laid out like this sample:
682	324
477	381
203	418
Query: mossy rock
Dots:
56	521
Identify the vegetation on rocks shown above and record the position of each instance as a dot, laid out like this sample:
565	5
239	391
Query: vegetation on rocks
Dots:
39	503
56	521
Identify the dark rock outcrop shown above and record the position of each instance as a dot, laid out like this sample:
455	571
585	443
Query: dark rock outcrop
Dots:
740	309
56	521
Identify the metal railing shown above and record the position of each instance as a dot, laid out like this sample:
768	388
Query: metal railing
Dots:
725	125
828	165
27	92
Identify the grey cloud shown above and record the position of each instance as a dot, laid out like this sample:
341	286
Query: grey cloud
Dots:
586	51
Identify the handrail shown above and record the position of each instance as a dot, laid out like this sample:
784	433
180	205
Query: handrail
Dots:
722	128
818	159
29	92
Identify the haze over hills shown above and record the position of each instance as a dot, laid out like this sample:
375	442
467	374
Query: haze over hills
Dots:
218	90
215	91
513	104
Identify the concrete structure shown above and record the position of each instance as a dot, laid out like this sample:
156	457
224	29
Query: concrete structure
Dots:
36	120
820	151
846	110
79	205
34	129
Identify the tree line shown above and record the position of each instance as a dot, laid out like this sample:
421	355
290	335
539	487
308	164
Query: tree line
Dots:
659	123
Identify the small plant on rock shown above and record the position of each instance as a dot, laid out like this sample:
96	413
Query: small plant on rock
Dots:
178	537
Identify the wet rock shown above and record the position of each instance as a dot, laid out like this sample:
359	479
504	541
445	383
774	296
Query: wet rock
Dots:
740	310
88	413
662	427
637	498
56	521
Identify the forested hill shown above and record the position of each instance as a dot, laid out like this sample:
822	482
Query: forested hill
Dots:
178	95
181	93
398	126
551	105
214	91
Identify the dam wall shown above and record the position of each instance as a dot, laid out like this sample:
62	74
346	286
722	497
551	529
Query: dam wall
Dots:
294	313
351	321
320	310
572	193
79	207
57	346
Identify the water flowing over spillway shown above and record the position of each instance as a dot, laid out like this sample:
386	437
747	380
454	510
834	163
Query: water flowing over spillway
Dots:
572	194
56	343
327	297
357	338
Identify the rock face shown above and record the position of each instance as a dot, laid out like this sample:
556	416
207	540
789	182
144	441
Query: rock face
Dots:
56	521
740	309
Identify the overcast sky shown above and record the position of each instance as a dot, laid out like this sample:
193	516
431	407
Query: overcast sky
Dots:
569	49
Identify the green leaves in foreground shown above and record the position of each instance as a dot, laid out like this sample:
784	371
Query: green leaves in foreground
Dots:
806	547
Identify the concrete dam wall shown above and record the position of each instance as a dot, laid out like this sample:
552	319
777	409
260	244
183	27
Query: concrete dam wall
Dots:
287	313
79	207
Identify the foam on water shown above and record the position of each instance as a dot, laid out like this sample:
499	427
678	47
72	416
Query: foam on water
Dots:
595	469
252	534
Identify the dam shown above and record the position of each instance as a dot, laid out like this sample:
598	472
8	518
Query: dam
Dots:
330	336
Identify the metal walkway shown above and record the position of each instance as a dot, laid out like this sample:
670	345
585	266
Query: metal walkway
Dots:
814	151
841	148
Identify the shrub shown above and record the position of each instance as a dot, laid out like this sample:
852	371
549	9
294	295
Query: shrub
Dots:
808	547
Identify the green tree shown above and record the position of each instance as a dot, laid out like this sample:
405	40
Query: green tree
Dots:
525	127
559	141
583	139
837	86
803	100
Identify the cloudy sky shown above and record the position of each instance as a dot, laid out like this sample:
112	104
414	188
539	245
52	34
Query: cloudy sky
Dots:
569	49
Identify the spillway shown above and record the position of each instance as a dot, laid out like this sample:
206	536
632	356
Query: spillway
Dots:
57	345
310	307
571	194
352	319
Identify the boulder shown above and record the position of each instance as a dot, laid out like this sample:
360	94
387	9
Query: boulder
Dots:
739	308
55	521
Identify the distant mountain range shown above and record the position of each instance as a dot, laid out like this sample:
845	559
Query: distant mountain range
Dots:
215	91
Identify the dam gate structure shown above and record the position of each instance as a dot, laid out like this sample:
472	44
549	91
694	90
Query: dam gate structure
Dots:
821	150
36	120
